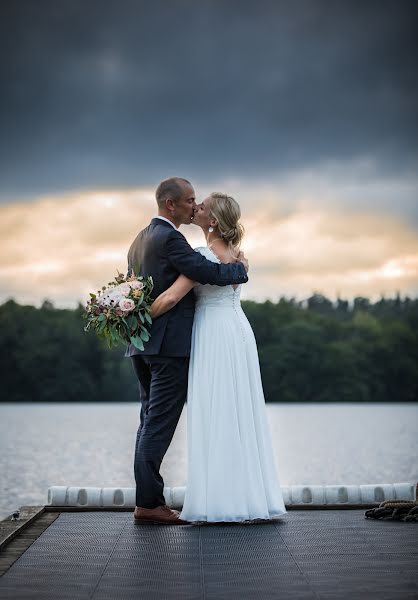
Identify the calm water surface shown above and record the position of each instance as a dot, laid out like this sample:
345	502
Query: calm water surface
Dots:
92	445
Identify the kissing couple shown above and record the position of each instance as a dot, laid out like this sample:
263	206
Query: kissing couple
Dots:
202	348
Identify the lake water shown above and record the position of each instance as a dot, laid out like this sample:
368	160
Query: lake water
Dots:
92	445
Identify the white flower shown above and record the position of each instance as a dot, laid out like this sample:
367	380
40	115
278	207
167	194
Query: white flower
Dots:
126	304
109	296
123	289
104	300
136	285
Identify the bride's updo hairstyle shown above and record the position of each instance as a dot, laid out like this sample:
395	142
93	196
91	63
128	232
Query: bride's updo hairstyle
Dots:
227	212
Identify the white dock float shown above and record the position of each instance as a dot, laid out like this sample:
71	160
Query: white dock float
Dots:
294	495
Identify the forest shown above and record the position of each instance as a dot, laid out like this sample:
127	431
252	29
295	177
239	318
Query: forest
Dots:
313	350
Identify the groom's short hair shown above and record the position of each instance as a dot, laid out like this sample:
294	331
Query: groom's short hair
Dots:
170	189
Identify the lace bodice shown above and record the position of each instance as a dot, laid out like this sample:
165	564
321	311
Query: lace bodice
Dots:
215	295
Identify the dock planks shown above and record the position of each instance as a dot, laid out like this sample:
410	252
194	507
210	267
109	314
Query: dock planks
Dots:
104	555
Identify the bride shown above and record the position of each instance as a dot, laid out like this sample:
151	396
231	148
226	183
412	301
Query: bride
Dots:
231	474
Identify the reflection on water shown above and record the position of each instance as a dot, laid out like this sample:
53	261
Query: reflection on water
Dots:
92	445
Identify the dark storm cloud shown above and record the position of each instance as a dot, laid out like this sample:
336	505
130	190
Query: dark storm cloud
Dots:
125	92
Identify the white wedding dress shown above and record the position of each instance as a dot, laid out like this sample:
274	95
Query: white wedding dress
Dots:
231	474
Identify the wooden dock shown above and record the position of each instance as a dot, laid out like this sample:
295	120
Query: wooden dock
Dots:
306	554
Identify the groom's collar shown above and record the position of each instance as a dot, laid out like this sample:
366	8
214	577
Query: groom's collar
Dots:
166	220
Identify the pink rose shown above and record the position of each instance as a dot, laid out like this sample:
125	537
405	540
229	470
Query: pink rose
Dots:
127	305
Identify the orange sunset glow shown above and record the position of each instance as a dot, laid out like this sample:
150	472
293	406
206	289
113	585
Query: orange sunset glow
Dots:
61	248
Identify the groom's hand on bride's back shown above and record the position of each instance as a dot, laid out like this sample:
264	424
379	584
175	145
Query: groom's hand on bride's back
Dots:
241	258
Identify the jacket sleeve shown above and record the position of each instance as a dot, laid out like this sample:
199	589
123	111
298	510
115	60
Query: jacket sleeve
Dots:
198	268
131	264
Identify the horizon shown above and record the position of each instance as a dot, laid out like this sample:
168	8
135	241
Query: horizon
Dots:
300	303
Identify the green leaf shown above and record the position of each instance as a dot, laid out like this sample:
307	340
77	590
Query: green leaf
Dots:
114	335
124	328
137	342
141	317
132	322
101	317
148	318
144	335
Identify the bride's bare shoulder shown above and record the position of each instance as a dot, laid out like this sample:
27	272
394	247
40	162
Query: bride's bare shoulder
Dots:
226	254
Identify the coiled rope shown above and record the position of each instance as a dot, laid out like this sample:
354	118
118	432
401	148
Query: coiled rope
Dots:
394	510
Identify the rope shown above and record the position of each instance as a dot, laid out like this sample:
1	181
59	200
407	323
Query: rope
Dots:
394	510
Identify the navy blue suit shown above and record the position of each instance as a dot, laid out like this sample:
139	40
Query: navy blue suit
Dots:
162	367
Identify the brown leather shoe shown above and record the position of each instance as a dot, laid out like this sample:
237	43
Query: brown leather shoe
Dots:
160	514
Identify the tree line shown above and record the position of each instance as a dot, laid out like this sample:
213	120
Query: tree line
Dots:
314	350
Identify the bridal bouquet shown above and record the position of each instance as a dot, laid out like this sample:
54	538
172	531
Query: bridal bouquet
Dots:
119	312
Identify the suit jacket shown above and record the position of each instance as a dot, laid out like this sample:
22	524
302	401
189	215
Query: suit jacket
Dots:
164	253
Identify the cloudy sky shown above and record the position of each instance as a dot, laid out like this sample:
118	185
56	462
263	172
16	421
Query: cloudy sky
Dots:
305	111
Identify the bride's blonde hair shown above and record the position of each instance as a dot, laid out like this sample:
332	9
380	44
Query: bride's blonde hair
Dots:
227	212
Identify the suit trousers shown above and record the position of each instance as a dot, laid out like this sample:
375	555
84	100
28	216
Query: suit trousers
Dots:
162	391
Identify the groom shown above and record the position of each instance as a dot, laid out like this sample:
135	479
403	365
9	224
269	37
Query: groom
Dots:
161	251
